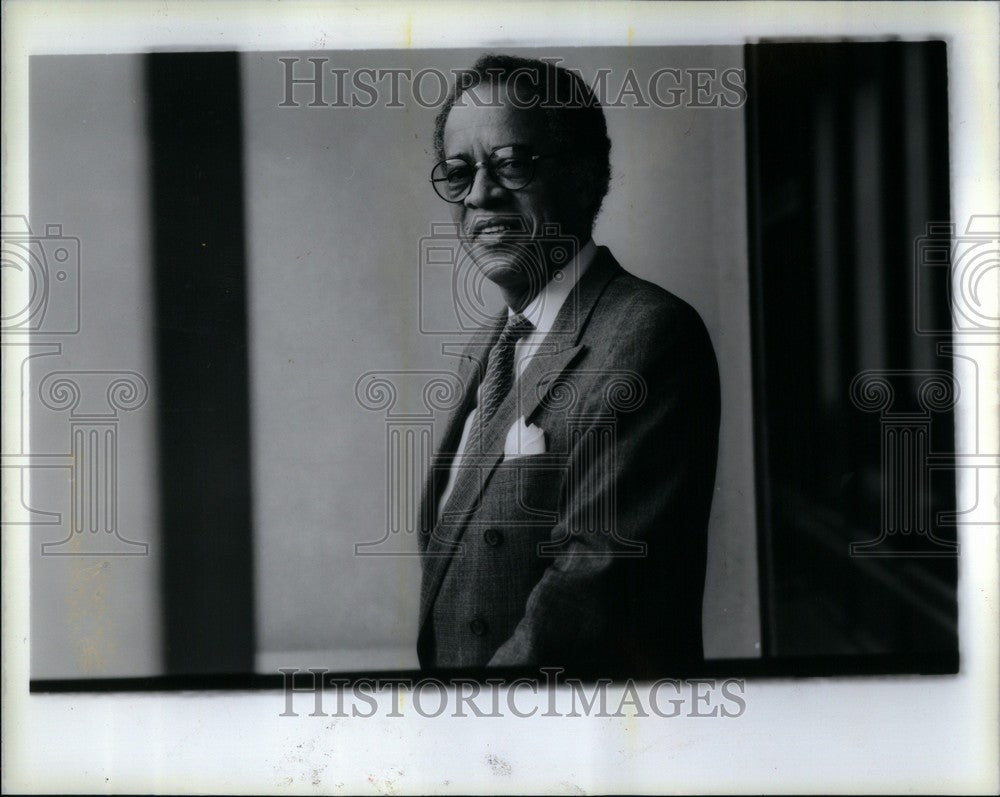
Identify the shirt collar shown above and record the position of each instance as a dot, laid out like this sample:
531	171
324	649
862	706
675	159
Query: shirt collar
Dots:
543	309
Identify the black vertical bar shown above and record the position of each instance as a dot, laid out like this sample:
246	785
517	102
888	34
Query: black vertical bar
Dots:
195	137
765	565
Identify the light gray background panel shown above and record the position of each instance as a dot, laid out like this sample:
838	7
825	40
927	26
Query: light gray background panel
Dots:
338	202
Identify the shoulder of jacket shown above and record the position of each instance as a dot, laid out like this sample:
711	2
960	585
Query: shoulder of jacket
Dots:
632	306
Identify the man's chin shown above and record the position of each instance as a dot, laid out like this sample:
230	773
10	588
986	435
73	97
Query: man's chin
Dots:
507	268
505	275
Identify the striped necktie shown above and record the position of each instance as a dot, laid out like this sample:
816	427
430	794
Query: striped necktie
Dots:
498	379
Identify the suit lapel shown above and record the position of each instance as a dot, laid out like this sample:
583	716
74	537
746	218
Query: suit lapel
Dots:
470	370
471	479
563	346
560	348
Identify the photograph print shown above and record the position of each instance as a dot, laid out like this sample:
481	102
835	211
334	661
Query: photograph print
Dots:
636	363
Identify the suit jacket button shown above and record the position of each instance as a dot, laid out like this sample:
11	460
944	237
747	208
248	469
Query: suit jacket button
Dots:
492	537
478	626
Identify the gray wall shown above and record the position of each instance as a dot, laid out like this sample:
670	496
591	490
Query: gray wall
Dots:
94	615
337	203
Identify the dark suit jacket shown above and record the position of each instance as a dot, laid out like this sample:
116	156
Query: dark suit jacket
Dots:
590	556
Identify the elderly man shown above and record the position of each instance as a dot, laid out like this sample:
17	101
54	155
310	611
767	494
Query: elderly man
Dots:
564	522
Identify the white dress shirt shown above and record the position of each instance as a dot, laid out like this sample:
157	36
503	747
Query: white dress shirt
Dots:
541	312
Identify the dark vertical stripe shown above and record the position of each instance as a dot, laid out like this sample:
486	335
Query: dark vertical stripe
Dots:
199	261
820	477
765	567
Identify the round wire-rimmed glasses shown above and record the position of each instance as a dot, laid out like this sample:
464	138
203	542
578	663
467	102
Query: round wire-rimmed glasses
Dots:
510	166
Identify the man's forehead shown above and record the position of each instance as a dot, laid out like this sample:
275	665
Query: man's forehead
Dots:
489	121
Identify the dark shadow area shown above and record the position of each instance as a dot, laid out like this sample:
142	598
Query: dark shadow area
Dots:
199	262
847	149
302	677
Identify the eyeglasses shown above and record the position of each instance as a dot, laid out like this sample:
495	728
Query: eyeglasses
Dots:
512	167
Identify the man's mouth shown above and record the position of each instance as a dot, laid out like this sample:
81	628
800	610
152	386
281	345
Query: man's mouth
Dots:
497	225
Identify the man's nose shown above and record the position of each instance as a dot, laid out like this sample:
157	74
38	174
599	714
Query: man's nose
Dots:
485	191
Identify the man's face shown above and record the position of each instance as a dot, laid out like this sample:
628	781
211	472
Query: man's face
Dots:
502	228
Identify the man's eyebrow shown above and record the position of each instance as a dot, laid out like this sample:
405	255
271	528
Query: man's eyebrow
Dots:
468	156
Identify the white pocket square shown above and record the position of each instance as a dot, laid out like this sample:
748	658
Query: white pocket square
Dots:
523	440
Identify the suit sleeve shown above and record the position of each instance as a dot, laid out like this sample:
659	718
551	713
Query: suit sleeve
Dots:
624	588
